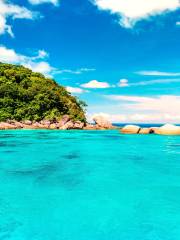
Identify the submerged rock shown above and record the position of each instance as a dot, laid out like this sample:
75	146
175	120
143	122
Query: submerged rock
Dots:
130	129
168	129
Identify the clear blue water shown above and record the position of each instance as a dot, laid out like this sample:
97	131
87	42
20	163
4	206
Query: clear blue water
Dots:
89	185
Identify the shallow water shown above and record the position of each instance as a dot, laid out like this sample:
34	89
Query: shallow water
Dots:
89	185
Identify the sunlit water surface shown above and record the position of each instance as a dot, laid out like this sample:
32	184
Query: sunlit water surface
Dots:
89	185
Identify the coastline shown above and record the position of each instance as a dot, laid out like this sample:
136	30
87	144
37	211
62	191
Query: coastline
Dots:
100	124
65	123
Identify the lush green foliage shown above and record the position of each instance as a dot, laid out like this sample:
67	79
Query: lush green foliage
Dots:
28	95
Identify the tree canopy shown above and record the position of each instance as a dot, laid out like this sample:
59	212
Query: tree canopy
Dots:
28	95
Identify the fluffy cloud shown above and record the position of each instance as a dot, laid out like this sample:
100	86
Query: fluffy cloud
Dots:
158	73
166	104
139	109
75	90
95	84
131	11
37	2
137	118
12	11
35	63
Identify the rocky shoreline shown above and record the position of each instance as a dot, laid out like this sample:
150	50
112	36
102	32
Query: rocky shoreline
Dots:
64	124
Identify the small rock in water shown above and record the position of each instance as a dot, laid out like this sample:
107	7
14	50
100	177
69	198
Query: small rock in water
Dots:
130	129
168	129
146	131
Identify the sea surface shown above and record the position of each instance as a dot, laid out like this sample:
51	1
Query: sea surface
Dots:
89	185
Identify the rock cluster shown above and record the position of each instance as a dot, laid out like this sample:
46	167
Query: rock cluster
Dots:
64	124
167	129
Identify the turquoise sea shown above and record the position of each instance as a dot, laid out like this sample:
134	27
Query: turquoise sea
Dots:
89	185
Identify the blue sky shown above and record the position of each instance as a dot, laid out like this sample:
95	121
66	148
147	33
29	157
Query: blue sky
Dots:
120	56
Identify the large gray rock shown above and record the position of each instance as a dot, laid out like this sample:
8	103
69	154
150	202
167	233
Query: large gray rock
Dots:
168	129
102	122
130	129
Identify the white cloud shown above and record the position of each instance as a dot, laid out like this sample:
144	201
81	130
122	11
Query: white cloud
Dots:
177	23
158	73
95	84
41	67
78	71
12	11
140	109
37	2
138	118
123	83
150	82
75	90
131	11
32	62
167	104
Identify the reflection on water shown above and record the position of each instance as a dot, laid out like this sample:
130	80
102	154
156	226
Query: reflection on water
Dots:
84	185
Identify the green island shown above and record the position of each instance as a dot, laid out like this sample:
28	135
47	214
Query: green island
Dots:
27	95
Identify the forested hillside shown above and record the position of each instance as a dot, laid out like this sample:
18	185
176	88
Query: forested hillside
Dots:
28	95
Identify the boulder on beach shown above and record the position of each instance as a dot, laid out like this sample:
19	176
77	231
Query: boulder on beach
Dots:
18	124
168	129
6	126
68	125
130	129
102	123
78	125
53	126
63	121
45	123
27	122
89	127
